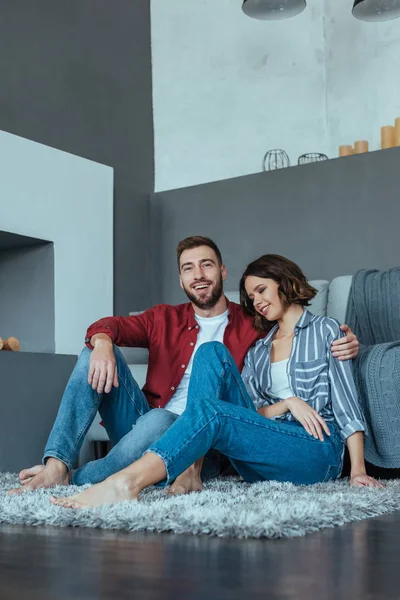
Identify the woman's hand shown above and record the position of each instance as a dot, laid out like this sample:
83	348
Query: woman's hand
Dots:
311	420
364	480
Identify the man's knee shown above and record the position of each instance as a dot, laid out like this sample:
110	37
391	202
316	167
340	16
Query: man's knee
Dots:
84	360
158	420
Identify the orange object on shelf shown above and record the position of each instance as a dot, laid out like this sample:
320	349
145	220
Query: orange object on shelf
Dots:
11	344
397	132
387	137
361	146
346	150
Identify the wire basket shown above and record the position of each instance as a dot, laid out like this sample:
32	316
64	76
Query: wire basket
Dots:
311	157
275	159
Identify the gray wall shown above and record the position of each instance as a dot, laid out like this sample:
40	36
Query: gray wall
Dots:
333	218
76	75
27	297
31	389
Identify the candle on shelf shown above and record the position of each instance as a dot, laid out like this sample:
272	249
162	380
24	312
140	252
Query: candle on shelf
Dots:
346	150
360	146
397	132
387	137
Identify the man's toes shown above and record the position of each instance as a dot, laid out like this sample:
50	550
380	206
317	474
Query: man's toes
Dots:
27	474
16	491
177	490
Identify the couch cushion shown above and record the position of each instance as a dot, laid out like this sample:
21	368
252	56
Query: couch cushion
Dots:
337	298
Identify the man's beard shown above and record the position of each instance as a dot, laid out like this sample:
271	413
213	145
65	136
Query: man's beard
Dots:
216	294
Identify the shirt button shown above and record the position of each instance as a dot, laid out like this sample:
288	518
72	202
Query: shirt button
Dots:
172	388
183	366
189	328
192	343
196	326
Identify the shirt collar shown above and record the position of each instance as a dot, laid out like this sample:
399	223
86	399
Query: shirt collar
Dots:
302	323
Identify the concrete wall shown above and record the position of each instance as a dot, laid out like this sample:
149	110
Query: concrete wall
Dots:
52	195
363	87
31	390
76	75
333	218
226	88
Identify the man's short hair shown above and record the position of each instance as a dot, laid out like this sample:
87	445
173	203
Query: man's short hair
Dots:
195	241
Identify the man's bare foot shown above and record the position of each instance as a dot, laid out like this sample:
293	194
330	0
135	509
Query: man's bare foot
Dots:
26	475
188	482
110	491
53	473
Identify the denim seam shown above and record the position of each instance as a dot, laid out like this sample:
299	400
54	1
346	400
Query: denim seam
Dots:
164	458
54	454
130	396
81	434
171	457
268	426
238	380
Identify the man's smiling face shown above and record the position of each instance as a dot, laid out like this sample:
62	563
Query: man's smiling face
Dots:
201	276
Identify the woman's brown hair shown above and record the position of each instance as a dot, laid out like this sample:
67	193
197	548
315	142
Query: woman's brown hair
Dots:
293	286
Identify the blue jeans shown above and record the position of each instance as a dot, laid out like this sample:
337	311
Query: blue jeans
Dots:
221	415
131	424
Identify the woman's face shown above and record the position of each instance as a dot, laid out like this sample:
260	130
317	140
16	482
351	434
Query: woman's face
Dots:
264	295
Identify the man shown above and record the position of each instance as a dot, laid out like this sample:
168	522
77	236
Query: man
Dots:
102	381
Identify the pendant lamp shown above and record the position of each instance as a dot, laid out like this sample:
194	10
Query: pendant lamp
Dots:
273	10
376	10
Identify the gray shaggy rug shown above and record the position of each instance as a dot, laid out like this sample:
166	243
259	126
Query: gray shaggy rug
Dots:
226	508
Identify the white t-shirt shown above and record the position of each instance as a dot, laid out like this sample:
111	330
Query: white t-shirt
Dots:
212	329
280	387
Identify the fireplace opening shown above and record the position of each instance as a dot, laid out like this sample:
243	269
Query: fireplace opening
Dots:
27	309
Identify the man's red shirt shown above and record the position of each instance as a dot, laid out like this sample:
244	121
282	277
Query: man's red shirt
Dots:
170	334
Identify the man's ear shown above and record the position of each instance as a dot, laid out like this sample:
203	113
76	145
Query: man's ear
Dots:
224	272
180	281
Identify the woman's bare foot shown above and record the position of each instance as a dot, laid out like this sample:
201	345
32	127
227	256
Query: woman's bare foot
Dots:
188	482
53	473
110	491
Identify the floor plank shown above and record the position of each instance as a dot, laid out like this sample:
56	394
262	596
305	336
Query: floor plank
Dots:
357	561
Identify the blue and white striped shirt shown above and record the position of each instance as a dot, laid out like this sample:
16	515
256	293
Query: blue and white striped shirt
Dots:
315	376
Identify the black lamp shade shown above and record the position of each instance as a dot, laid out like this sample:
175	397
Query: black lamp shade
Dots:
273	10
376	10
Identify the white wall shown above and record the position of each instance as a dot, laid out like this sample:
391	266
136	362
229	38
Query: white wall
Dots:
363	61
226	88
55	196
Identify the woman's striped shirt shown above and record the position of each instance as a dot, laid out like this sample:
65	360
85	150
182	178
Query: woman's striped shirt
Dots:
315	376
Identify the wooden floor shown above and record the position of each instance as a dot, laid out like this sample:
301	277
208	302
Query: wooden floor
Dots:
359	561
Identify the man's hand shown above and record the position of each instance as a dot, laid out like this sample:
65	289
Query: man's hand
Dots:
311	420
103	372
347	347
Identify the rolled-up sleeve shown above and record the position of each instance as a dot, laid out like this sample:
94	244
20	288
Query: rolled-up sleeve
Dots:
249	380
345	403
134	331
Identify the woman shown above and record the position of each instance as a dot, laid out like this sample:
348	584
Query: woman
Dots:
288	419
